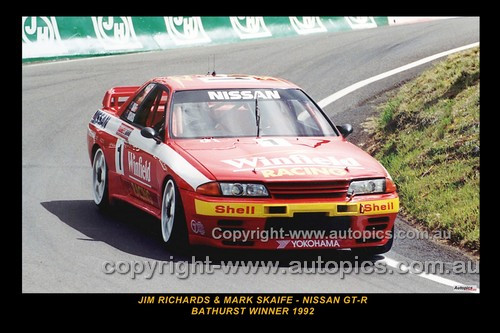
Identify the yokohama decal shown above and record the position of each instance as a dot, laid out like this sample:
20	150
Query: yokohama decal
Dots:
321	243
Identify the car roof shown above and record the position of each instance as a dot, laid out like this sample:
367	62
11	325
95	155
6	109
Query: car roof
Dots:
223	81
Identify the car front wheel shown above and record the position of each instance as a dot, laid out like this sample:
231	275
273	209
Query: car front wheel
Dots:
173	221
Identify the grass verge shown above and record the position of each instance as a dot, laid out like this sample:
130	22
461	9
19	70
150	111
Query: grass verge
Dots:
427	136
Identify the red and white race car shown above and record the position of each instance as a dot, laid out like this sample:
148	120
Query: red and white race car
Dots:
238	161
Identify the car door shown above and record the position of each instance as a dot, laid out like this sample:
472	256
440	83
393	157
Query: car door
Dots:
136	156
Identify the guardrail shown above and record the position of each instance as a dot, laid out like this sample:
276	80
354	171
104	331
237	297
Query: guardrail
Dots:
52	37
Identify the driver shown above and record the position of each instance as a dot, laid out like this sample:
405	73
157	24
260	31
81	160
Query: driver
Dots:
197	120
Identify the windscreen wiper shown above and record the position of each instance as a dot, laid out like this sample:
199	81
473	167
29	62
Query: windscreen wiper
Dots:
257	116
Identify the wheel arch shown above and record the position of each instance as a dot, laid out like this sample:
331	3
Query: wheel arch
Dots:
94	149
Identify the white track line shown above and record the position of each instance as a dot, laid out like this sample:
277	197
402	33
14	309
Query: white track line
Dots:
436	278
341	93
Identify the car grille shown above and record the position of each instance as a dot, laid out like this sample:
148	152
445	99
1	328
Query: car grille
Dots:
304	190
309	221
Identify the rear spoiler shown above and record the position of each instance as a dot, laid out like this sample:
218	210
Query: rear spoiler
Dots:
115	97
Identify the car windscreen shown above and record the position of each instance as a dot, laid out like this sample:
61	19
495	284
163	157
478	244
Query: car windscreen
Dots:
246	113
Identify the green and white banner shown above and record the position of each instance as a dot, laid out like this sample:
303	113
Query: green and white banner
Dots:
46	37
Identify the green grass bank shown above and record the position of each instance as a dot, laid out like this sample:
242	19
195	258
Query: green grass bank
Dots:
427	136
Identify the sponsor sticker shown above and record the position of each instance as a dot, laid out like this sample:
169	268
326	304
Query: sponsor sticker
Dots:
308	243
100	119
139	167
228	209
131	116
207	140
293	165
240	210
197	227
141	193
384	206
124	131
307	171
273	142
243	94
291	160
134	105
282	243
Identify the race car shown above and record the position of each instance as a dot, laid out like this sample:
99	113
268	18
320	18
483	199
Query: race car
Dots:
239	161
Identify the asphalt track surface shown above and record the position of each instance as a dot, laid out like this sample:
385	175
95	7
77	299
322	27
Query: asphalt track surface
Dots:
66	240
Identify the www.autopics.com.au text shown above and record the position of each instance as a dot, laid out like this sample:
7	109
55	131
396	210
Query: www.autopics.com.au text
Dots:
184	269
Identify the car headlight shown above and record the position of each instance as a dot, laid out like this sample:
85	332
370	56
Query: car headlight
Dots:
243	190
367	186
233	189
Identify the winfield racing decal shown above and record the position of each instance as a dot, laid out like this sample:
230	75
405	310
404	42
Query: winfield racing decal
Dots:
294	165
303	171
139	168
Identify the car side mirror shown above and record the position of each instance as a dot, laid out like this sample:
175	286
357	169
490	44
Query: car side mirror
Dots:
345	129
150	133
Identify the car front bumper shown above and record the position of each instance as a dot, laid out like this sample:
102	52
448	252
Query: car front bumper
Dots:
363	221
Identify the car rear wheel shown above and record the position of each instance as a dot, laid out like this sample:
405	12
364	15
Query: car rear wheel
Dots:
100	179
173	221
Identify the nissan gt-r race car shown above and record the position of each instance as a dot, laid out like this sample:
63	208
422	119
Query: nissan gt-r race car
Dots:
239	161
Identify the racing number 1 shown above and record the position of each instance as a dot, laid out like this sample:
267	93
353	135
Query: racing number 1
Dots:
119	156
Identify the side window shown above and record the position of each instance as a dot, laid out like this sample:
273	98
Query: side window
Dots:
156	114
138	110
